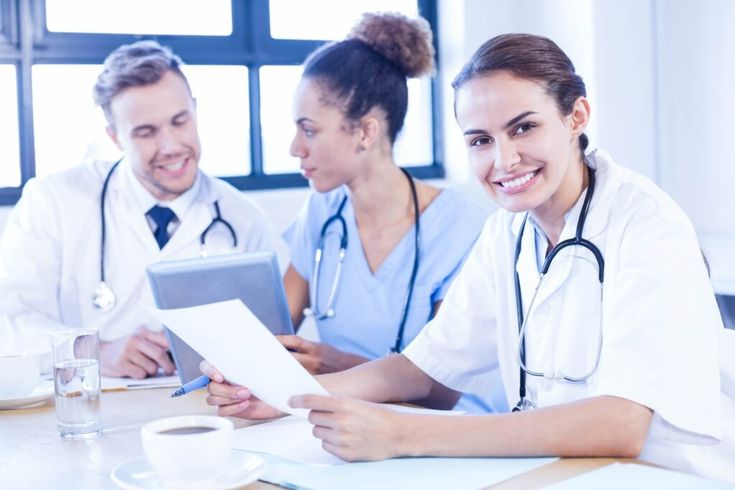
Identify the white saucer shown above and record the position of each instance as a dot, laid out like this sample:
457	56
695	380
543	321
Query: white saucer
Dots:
43	391
242	468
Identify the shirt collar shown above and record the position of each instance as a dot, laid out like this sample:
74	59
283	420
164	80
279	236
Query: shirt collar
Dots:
146	200
608	180
541	241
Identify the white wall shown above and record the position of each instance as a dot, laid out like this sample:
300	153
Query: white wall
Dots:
695	126
466	24
4	212
696	103
659	75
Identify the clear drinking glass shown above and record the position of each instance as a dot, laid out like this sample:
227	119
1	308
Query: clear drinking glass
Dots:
76	355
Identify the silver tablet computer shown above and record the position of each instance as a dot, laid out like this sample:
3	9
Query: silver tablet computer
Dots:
252	277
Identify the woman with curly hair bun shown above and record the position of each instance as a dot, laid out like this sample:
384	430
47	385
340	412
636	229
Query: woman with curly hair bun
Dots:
403	240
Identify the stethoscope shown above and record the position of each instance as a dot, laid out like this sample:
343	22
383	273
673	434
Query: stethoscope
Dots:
523	402
104	298
328	311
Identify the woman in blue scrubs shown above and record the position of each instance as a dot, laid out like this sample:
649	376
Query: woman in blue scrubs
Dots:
349	108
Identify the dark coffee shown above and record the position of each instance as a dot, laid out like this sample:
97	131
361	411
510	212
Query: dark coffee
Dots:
180	431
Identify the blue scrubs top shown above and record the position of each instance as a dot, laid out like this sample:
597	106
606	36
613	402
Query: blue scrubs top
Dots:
368	307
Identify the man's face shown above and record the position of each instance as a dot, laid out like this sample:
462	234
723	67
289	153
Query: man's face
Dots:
155	126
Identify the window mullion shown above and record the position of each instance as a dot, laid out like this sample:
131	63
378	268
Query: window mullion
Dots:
25	91
256	141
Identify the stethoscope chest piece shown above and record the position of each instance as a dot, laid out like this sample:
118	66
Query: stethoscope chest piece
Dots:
523	405
103	298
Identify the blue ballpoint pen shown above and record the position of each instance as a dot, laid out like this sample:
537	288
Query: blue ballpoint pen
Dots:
192	385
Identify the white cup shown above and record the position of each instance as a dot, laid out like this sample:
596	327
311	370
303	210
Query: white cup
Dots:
19	374
188	449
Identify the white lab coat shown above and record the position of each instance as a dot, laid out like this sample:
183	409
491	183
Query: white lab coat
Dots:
659	317
50	251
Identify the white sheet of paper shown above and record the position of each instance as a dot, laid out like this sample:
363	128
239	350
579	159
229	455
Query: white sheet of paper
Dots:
292	438
401	473
233	340
630	475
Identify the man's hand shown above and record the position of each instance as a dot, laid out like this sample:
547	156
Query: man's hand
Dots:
136	356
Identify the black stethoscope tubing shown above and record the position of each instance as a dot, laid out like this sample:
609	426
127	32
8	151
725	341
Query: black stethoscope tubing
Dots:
103	220
337	217
414	270
103	288
523	403
217	219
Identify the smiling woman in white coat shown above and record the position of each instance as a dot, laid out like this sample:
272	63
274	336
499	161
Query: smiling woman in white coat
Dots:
614	353
105	222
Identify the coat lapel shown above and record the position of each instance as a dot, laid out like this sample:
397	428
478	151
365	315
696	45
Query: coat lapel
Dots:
123	211
526	265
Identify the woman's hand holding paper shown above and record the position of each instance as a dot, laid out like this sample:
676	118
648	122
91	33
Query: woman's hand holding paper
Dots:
233	400
352	429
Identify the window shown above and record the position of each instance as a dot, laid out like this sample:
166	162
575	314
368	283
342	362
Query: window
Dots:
276	125
277	128
4	18
62	141
243	63
9	142
68	128
297	19
170	17
223	114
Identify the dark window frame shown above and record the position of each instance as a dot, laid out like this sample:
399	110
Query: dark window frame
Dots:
8	33
24	41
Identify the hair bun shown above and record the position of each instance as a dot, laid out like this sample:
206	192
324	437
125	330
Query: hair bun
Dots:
406	42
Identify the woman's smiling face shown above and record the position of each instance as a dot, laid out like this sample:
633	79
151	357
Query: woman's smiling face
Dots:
520	147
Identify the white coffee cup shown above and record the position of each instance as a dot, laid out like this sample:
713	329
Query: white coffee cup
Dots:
188	449
19	374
